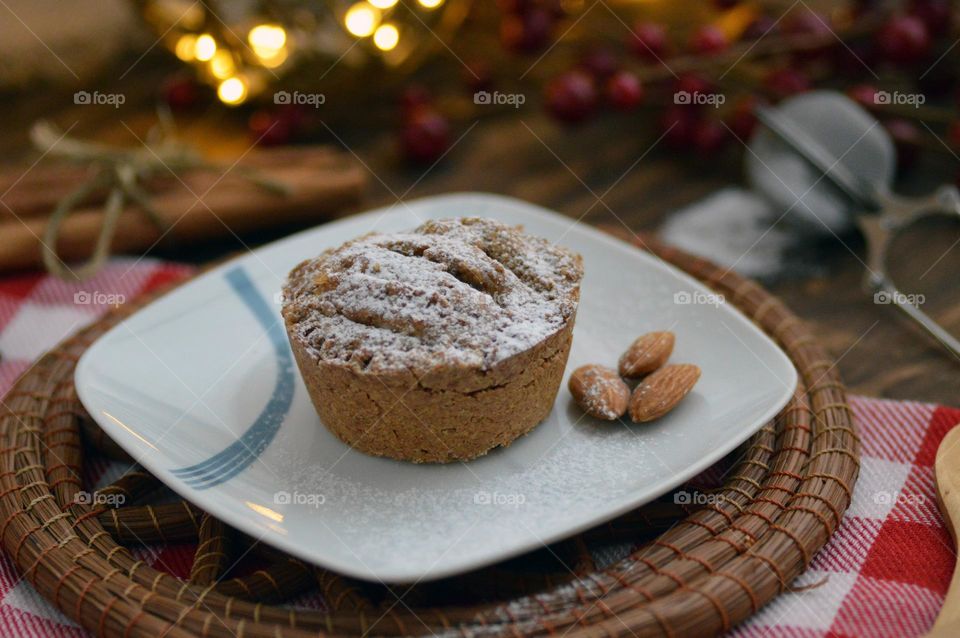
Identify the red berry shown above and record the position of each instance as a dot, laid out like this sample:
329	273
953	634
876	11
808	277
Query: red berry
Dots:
743	120
906	138
813	25
709	136
865	95
692	85
293	114
786	82
808	22
180	92
600	62
935	14
512	6
527	32
268	129
903	39
708	40
678	125
624	90
648	40
478	76
425	136
511	32
953	134
413	98
761	26
571	97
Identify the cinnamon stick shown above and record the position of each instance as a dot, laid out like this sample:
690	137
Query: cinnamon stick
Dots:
197	205
29	191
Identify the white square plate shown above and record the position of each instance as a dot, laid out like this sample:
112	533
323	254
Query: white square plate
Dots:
201	389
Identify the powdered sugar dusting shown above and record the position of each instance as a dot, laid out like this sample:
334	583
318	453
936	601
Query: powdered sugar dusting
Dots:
595	398
461	292
600	391
462	511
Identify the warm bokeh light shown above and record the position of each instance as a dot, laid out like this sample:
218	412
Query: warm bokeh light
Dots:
240	68
221	65
386	37
269	43
205	47
361	19
267	37
232	91
274	59
186	47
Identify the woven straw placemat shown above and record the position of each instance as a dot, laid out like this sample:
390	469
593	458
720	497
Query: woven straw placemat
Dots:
695	572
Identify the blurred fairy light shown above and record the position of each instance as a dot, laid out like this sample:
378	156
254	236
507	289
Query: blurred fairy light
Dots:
240	69
221	65
386	37
186	47
267	39
205	47
268	42
361	19
232	91
274	58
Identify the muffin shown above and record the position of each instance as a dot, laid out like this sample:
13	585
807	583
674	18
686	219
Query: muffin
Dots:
434	345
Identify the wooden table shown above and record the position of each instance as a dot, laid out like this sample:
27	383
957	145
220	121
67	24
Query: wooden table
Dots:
593	174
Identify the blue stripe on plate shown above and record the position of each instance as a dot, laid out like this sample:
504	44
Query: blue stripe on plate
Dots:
236	457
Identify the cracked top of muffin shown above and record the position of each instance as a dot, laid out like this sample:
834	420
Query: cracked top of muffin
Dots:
465	292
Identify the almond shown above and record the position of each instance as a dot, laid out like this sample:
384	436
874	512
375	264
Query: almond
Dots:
600	391
646	354
661	391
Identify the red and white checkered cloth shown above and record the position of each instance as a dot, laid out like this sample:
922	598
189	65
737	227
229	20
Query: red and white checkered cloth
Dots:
884	572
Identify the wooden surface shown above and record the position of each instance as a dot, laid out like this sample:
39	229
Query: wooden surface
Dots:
594	173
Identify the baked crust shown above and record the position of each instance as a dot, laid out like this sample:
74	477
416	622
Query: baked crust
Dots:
435	345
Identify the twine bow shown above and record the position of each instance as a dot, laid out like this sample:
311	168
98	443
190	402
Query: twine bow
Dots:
120	171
